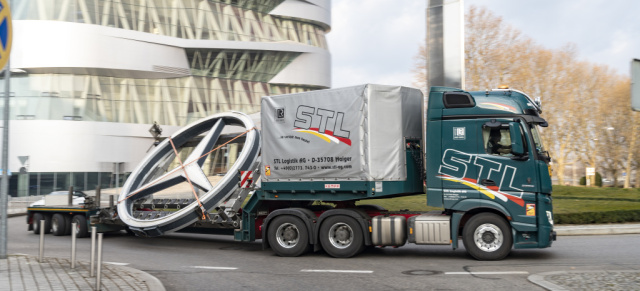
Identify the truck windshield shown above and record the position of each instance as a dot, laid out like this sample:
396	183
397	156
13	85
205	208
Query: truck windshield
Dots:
540	148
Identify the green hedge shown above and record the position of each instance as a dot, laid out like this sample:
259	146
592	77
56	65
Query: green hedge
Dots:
616	216
598	178
596	198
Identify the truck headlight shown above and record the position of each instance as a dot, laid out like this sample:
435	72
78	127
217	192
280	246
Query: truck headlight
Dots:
550	217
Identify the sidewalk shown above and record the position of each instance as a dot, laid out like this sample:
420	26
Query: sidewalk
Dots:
22	272
588	280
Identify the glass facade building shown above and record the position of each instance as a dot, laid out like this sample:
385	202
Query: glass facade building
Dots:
89	77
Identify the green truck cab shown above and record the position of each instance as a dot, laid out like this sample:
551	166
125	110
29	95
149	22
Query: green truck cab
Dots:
490	159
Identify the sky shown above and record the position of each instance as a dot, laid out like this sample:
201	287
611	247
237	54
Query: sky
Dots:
375	41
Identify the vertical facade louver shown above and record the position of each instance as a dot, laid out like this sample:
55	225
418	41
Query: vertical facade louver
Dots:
89	77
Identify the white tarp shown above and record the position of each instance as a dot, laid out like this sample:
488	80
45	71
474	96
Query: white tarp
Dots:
353	133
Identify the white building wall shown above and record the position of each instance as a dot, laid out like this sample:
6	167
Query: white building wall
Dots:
79	146
44	47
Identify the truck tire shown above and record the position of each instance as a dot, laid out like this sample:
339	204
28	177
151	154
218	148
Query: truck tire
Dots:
341	237
81	225
37	217
487	237
288	236
58	224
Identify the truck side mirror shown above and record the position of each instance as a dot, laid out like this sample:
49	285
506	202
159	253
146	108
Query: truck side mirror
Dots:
517	148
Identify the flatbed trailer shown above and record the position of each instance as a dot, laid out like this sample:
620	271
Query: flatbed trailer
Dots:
59	218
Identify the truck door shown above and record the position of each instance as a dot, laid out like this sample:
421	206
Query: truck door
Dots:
507	175
457	170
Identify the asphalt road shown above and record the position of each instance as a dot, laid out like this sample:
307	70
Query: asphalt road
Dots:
206	262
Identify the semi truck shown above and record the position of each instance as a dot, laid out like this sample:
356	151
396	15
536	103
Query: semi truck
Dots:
299	182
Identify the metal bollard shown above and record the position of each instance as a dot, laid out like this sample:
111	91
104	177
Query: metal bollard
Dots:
99	271
93	250
73	244
41	241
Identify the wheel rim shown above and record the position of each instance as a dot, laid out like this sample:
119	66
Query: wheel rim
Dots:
36	223
488	237
54	226
341	235
287	235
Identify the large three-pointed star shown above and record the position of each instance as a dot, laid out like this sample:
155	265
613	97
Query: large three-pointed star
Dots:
192	168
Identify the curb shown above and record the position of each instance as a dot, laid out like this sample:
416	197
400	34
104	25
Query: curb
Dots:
539	280
152	282
599	229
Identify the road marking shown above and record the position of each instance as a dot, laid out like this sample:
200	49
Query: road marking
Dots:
214	268
488	273
338	271
116	263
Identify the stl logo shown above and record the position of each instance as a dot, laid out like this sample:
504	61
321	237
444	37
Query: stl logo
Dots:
6	34
323	123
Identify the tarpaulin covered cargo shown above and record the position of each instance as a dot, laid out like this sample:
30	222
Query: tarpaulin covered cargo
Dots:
345	134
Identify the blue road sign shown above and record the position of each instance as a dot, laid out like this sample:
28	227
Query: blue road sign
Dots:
6	34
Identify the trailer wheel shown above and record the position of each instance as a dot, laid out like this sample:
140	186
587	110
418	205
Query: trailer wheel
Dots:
36	222
58	224
341	237
81	225
288	236
487	237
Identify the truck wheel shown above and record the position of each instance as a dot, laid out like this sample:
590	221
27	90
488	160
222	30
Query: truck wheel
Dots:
36	222
341	237
58	224
81	225
487	237
288	236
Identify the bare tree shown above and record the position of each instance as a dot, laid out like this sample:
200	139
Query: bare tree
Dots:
587	104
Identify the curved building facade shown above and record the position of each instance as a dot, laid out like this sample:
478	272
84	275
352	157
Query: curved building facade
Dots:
89	77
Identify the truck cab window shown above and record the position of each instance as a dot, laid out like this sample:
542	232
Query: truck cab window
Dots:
497	140
537	139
